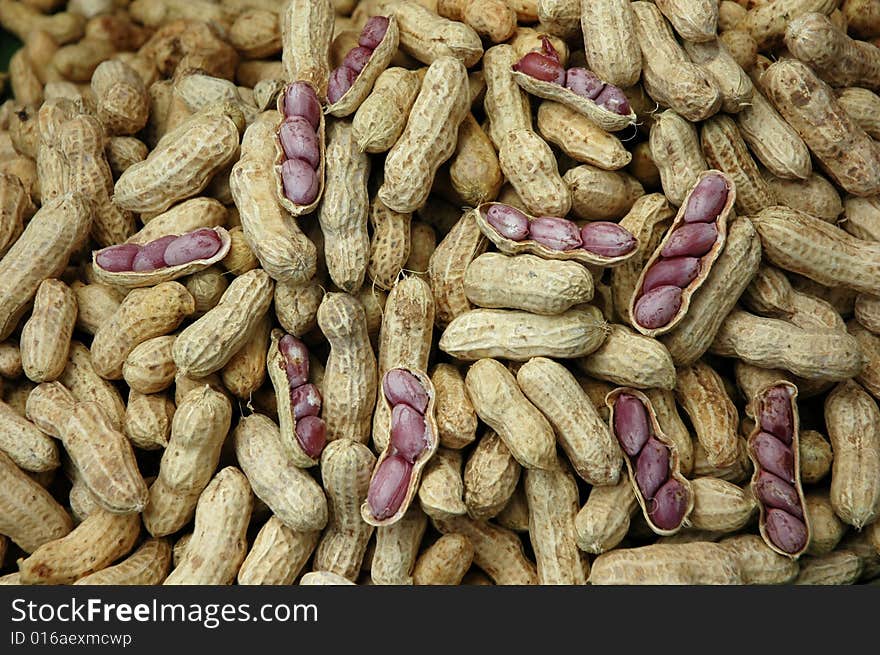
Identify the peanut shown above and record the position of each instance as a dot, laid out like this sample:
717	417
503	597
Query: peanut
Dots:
689	563
45	337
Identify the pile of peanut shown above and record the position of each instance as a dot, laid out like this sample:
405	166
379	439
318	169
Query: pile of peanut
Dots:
440	292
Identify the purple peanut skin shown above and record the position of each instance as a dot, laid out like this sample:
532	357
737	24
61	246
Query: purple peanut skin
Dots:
401	386
707	200
652	468
296	360
614	100
669	505
200	244
373	32
357	58
693	240
543	65
657	307
776	416
152	254
389	486
408	432
677	272
773	491
117	258
306	401
341	80
774	456
311	434
300	100
508	221
300	181
631	425
788	533
583	82
299	141
607	239
555	233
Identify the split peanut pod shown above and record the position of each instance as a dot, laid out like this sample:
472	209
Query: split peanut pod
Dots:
299	149
664	494
131	265
513	231
774	448
684	258
303	432
579	89
410	400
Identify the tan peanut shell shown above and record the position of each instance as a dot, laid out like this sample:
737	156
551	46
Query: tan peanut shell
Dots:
277	555
346	467
825	253
527	282
675	148
604	520
148	565
767	23
862	106
720	506
184	217
606	119
390	245
584	437
698	563
381	117
531	169
758	563
630	359
456	418
219	543
674	464
209	343
826	528
105	459
515	515
429	37
611	47
580	138
701	393
350	379
149	367
84	383
397	547
838	568
501	404
306	33
45	337
137	279
24	443
490	477
445	562
291	493
597	194
208	141
382	434
15	206
442	489
666	413
148	420
429	137
289	206
851	417
345	208
507	105
553	504
518	335
30	517
497	551
667	74
511	247
448	265
245	372
706	262
57	230
710	306
144	314
773	141
363	83
843	148
694	20
199	427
